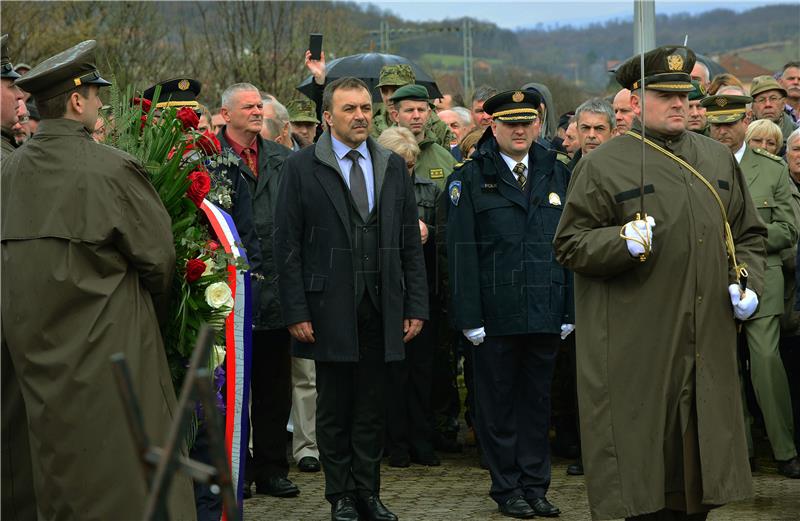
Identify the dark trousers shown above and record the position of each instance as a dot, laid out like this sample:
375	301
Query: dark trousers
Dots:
790	354
351	411
271	387
512	411
409	425
208	504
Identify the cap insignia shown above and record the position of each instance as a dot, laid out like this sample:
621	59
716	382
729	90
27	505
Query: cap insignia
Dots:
183	84
517	97
721	102
675	62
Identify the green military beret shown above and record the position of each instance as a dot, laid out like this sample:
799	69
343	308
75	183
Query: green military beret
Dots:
410	92
177	92
5	61
514	106
302	111
725	108
763	84
666	68
396	76
698	92
63	72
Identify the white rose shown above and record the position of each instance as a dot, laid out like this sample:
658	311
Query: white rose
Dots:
218	295
209	267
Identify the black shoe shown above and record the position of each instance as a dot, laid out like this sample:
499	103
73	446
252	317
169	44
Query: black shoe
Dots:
790	468
372	509
429	459
517	507
277	486
576	469
542	507
344	510
308	464
246	492
399	458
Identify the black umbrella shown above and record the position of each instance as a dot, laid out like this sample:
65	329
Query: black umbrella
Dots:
367	67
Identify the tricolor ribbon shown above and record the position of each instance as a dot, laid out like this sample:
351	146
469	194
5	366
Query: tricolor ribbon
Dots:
238	346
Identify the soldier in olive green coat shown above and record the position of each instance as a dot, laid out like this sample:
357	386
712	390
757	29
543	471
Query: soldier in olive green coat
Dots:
412	110
768	181
87	258
661	428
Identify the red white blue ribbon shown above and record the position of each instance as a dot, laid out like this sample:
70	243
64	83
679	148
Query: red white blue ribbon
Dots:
238	348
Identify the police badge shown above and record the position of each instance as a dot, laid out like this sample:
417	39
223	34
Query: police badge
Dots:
455	192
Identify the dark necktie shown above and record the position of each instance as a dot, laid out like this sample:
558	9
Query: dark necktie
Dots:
519	168
250	159
358	185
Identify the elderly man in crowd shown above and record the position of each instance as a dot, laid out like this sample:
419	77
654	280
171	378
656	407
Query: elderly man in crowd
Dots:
480	118
459	120
623	112
768	103
790	80
257	174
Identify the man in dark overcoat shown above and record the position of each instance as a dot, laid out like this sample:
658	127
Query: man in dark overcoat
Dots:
352	286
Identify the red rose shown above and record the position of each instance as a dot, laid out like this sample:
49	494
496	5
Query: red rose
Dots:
199	188
209	143
188	118
143	122
212	245
143	102
194	269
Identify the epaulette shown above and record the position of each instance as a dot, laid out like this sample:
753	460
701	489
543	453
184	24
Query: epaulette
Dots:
762	152
561	156
462	163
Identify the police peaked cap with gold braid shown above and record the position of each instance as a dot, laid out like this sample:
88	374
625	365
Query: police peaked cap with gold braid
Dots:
725	108
666	68
63	72
177	92
514	106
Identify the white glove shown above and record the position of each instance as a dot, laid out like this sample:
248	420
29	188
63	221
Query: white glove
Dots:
475	336
637	232
566	329
743	307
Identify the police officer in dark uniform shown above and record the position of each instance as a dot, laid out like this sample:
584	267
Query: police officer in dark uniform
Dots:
510	298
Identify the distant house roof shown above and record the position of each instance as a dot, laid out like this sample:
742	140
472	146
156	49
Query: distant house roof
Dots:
743	69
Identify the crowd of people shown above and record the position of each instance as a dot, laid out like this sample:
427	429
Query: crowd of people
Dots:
634	258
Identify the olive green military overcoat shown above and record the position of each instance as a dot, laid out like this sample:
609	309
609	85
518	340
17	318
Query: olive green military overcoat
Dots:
86	252
768	181
658	385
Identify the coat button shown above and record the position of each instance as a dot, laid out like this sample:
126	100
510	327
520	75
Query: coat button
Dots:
700	299
365	257
765	203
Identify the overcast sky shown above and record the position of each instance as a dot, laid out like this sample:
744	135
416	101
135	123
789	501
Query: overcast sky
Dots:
527	13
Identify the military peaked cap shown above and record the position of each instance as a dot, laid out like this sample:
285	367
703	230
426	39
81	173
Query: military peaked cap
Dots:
666	68
5	61
177	92
514	106
63	72
725	108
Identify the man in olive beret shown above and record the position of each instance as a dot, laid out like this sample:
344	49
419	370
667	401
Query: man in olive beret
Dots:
88	258
661	423
769	98
768	182
696	121
411	108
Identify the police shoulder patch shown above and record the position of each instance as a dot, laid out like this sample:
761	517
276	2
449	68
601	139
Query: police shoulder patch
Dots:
762	152
455	192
